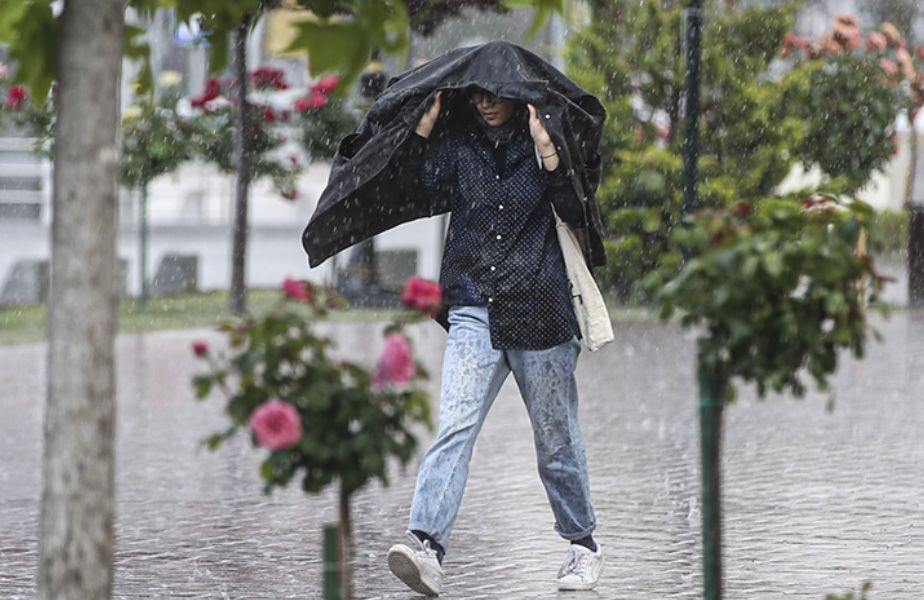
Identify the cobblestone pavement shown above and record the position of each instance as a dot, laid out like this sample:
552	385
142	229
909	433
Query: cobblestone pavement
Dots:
815	501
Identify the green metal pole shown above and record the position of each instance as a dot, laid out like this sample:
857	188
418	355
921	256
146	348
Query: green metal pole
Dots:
143	245
331	562
711	403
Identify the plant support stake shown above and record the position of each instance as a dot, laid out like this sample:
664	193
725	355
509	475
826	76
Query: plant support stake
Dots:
711	399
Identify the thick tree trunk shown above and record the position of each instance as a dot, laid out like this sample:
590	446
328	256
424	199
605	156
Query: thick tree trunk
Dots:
238	293
76	539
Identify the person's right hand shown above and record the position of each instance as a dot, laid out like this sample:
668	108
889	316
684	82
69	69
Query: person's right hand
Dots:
428	120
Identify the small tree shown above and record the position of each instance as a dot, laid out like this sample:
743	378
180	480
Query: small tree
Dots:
324	419
630	56
155	141
777	292
323	120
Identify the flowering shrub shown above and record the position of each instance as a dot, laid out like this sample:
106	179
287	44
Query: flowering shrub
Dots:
212	126
778	289
323	120
321	418
848	87
20	112
155	139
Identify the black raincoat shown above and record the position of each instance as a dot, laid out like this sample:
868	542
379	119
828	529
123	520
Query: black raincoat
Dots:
368	192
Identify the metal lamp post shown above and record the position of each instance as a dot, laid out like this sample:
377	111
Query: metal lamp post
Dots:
712	385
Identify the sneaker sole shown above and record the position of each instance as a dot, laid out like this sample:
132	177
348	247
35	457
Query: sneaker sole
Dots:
405	568
576	587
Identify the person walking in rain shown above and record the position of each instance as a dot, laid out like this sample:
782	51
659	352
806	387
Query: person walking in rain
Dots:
487	158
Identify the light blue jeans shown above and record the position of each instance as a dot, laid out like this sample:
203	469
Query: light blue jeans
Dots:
473	372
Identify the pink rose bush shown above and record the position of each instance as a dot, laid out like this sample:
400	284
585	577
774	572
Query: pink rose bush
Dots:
321	418
423	295
276	425
396	366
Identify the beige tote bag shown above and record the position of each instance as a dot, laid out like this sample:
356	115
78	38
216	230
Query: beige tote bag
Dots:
589	307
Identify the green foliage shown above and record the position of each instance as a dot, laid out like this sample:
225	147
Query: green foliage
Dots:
888	234
867	586
630	56
351	428
19	110
777	291
848	106
322	128
31	30
155	139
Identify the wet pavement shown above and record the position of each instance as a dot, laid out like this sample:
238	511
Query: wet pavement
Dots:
815	501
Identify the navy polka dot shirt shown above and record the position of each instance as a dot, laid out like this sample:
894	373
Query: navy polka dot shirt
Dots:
501	247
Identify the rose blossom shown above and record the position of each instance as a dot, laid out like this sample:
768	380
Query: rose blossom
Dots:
200	348
423	295
276	425
15	97
325	86
396	366
296	290
311	102
211	92
876	42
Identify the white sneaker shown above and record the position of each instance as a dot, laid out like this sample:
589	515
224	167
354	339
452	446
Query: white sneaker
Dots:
581	569
417	566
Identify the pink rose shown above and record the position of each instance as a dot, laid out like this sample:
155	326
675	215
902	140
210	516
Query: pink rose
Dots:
296	290
276	425
200	348
325	86
876	42
15	97
423	295
892	35
310	103
396	365
889	66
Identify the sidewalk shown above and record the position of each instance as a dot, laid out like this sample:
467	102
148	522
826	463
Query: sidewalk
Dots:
815	502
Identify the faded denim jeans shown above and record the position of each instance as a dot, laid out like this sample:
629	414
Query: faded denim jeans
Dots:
473	372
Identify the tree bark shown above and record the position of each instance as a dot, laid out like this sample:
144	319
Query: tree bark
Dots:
76	529
238	292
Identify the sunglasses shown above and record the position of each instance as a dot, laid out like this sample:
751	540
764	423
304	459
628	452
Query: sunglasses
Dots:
483	98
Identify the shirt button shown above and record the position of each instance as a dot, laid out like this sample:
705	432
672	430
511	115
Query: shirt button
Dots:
493	268
490	300
497	177
500	207
498	236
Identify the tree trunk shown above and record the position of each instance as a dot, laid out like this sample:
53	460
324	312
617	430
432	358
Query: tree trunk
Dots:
76	529
143	247
346	543
238	292
914	201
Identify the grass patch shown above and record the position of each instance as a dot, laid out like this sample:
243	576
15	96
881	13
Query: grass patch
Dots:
24	324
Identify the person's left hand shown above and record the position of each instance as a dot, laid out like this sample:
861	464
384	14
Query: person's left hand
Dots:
543	141
537	130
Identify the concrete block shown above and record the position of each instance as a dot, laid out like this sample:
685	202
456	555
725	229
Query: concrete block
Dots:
27	283
176	273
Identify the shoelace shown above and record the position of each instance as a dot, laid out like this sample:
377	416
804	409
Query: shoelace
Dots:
575	562
422	546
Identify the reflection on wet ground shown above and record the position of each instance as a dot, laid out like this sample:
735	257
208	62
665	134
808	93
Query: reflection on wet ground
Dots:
815	501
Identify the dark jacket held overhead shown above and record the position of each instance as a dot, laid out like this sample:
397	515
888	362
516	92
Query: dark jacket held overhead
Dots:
370	190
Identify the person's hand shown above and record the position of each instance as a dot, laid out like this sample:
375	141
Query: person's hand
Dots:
544	145
428	120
